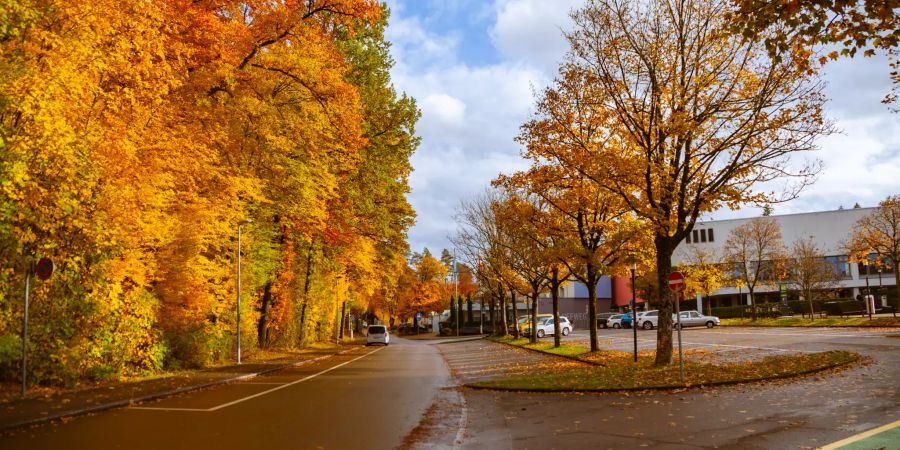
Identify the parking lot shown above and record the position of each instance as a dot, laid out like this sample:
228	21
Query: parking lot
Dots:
733	343
807	412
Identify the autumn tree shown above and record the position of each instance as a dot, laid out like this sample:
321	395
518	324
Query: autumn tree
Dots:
135	137
688	118
703	272
528	260
809	272
879	233
756	252
800	26
481	241
588	229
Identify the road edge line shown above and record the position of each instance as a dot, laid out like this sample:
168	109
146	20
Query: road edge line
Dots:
154	396
861	436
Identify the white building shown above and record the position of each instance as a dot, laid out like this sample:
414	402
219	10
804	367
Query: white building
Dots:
829	229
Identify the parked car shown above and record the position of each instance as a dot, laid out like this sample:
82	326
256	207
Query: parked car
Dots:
619	321
602	318
648	320
696	319
378	334
524	323
545	326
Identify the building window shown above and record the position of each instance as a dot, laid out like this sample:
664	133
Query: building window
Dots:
840	265
871	268
688	238
709	234
702	235
696	236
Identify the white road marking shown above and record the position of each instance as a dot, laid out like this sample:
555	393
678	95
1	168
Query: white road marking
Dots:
258	394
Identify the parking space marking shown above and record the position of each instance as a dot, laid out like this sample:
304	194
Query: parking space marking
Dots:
258	394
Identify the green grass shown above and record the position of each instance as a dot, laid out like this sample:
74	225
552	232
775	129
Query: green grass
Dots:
816	322
572	351
619	372
616	370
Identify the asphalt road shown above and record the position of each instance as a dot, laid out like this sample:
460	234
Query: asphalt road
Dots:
800	413
370	398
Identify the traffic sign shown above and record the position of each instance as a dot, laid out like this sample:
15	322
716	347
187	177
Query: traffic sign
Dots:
676	281
44	268
418	316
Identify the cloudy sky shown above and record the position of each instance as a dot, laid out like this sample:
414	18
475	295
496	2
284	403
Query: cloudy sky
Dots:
473	66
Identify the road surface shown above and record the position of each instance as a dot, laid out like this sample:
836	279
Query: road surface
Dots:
369	398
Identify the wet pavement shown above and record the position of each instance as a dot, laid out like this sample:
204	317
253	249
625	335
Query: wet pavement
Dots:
796	413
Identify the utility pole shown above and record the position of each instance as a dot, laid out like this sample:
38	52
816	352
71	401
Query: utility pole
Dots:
243	222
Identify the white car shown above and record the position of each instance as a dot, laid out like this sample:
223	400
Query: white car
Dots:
648	320
378	334
545	326
695	319
614	321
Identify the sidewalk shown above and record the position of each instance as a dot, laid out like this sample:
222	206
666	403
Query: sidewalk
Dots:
35	410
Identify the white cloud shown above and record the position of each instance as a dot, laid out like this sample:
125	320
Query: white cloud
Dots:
472	113
531	30
449	110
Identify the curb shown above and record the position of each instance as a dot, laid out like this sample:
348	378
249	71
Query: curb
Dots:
154	396
667	388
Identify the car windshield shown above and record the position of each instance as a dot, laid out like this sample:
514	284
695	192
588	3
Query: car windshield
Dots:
379	329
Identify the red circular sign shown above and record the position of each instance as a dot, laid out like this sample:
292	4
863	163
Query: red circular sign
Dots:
676	281
44	268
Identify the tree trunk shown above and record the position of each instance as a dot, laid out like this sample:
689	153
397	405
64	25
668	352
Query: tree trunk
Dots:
515	308
897	281
752	304
664	250
591	280
808	295
554	285
262	326
343	315
503	323
534	300
309	255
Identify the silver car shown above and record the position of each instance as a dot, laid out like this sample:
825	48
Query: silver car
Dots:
695	319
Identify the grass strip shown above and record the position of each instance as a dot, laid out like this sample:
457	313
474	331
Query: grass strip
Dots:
816	322
616	371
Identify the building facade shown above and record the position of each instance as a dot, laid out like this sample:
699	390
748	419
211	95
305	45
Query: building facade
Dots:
828	229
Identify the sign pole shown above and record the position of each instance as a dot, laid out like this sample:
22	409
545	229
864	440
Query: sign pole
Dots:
676	284
680	354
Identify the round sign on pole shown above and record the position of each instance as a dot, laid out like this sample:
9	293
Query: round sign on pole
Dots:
44	268
676	281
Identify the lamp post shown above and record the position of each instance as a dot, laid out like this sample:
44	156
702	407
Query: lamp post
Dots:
634	308
868	293
240	224
883	303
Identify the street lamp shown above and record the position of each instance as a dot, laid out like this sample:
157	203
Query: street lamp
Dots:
240	224
634	308
869	306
